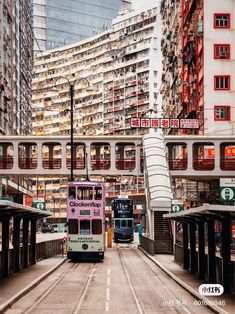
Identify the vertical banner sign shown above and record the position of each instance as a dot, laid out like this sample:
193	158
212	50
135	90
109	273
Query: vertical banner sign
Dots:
227	189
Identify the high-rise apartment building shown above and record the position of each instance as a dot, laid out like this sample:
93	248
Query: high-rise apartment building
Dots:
16	55
198	68
197	47
123	66
58	22
16	41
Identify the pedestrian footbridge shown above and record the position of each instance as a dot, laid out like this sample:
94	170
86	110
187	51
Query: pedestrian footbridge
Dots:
188	156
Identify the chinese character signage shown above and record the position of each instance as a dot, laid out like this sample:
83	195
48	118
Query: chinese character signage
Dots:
164	123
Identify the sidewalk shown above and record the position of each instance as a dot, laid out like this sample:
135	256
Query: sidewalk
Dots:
191	283
18	284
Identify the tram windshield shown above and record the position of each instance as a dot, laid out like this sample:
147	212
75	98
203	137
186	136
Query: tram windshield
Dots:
123	223
85	227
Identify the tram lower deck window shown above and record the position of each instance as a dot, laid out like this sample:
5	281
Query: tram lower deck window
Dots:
73	226
96	226
85	226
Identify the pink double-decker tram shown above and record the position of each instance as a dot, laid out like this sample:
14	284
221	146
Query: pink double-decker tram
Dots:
86	220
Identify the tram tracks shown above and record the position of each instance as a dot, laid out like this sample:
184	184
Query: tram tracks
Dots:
83	272
177	306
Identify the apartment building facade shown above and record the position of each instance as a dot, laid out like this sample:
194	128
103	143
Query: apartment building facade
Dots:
16	47
121	65
197	48
16	40
58	22
198	53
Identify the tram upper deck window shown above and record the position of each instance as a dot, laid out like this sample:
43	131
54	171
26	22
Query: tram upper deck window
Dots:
96	226
85	193
72	192
73	226
98	193
85	227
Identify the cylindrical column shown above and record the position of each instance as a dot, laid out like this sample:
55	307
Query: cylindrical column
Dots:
25	242
33	240
16	243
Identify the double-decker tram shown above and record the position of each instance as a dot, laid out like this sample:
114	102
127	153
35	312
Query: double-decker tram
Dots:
86	220
123	220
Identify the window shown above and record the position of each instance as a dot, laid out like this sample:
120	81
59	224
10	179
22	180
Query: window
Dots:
221	51
221	20
129	223
117	223
85	227
123	223
85	193
96	226
73	226
98	193
222	113
72	193
222	82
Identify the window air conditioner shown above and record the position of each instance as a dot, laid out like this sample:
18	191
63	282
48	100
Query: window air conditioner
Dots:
222	54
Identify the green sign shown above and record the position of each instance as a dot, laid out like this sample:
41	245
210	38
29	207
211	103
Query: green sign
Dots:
85	212
227	189
39	203
177	206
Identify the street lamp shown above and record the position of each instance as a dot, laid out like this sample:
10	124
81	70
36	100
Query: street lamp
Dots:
71	94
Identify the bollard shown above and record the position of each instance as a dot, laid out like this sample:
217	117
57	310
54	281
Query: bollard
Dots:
109	237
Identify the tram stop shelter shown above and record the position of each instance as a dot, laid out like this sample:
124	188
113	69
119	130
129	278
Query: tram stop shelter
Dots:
196	248
18	236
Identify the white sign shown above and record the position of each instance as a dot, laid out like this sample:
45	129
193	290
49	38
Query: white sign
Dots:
38	200
229	182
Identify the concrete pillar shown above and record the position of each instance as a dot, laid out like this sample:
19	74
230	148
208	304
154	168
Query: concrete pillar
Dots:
39	157
33	240
211	252
87	156
225	253
113	157
192	233
16	156
190	155
16	243
5	246
25	242
185	246
217	155
201	250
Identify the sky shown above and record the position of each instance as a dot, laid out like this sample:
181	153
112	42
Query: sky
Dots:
138	4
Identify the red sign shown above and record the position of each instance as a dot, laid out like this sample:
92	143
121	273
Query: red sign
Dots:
164	123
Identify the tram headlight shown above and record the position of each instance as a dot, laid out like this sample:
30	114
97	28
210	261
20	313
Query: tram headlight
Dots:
84	246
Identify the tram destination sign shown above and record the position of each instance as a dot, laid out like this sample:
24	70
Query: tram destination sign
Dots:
227	189
164	123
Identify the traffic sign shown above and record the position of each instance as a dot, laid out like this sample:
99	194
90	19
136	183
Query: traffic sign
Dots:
39	203
227	189
177	206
